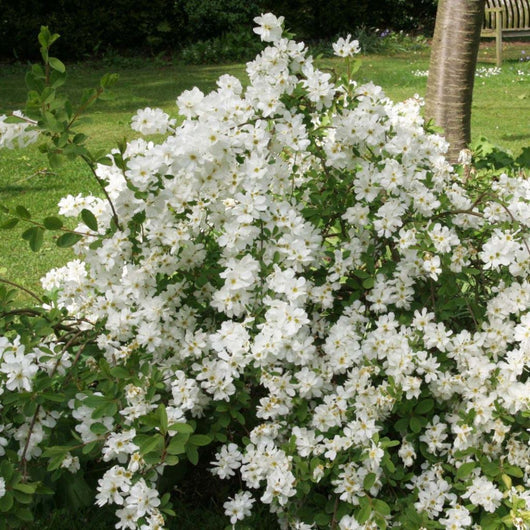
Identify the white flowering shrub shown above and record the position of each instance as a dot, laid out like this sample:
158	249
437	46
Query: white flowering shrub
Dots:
297	278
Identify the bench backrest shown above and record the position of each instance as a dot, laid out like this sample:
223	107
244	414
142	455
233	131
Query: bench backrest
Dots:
515	14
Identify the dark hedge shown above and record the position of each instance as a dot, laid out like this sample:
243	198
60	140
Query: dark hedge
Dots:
150	26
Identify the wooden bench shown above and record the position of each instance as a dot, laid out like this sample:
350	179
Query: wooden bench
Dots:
506	19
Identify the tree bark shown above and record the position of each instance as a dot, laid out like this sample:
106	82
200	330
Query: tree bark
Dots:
452	70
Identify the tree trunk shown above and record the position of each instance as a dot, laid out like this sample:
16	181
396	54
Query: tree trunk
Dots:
452	70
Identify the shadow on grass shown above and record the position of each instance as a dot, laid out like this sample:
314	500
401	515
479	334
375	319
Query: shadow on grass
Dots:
11	189
512	137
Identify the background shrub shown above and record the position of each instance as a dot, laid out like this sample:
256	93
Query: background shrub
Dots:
149	27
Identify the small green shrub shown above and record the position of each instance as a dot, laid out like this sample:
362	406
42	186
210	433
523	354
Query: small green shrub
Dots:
234	46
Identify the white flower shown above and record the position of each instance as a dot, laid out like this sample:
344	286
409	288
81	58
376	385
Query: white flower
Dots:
19	368
2	487
119	446
346	47
189	102
227	460
238	507
484	493
270	27
150	121
112	487
348	522
127	518
71	463
432	266
17	134
457	518
407	453
143	498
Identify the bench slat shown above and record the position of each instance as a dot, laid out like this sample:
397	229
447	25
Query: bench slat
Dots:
516	14
506	18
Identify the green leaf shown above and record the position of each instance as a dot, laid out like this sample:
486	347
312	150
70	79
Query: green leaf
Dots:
56	64
424	406
172	460
162	415
490	522
88	97
200	440
55	397
99	428
177	446
514	471
106	409
24	514
108	80
490	469
44	36
34	81
44	490
57	79
6	469
55	462
25	488
22	498
381	507
55	450
119	372
369	481
52	223
89	447
385	443
368	283
6	502
22	212
524	158
224	420
35	237
465	469
238	416
67	240
149	443
181	428
322	519
221	437
415	424
9	224
89	219
388	464
192	454
364	514
55	159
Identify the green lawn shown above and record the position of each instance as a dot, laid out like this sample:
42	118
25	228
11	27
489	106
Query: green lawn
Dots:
500	102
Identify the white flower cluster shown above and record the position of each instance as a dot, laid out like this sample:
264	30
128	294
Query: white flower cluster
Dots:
346	47
18	370
481	72
18	134
488	71
309	241
151	121
139	500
